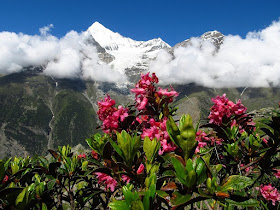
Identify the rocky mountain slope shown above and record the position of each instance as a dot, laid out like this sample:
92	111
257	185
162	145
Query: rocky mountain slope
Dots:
38	112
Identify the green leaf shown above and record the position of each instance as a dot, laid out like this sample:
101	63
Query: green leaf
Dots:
44	206
202	177
51	184
149	194
150	148
146	200
14	167
189	165
84	165
124	142
219	167
38	178
248	203
20	197
6	165
199	166
173	130
178	199
191	178
180	170
31	187
153	168
128	195
116	148
137	205
136	143
152	190
162	194
97	142
187	134
182	121
236	182
118	205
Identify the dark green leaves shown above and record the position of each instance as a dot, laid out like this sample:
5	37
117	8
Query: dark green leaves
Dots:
236	182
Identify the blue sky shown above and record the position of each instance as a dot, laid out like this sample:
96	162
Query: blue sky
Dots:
172	20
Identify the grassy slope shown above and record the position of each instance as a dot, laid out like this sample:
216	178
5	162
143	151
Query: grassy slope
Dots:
27	105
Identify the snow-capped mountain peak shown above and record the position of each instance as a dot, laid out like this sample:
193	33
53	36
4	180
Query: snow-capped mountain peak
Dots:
128	53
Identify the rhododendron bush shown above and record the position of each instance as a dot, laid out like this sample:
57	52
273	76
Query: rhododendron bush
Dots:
147	160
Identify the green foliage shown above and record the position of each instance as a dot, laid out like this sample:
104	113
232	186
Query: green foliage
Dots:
97	142
184	136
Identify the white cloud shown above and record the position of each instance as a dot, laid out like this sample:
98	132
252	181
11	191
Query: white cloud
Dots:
253	61
68	57
44	31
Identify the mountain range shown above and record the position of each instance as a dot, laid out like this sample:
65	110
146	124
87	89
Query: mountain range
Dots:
39	112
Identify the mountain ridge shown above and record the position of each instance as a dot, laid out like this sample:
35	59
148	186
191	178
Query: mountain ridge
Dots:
39	112
127	52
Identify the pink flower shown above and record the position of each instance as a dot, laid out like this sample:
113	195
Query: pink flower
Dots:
143	89
158	130
165	92
238	108
265	141
82	156
224	111
5	179
110	123
204	139
126	178
109	182
110	115
277	174
141	168
199	146
142	118
121	113
94	154
166	147
143	104
270	193
107	102
138	91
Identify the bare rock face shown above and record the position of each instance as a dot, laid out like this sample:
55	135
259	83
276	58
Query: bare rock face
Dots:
215	37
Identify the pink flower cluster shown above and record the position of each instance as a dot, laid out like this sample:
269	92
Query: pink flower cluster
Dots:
165	92
225	111
270	193
110	115
147	96
107	180
204	139
145	89
82	156
158	130
126	178
277	174
225	108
